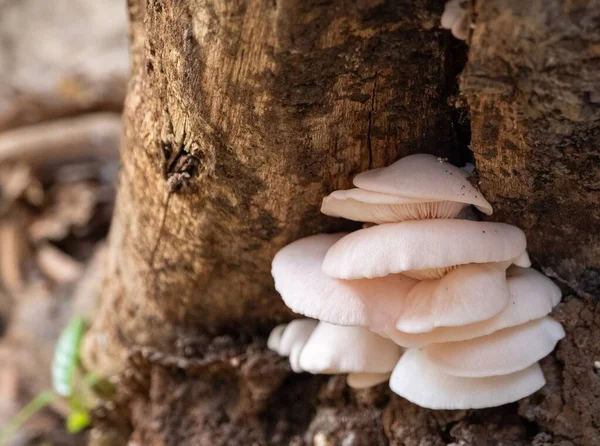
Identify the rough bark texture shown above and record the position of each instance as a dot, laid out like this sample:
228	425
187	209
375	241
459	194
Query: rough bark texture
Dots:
241	115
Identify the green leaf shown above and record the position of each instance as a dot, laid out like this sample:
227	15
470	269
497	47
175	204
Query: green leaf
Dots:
77	421
66	356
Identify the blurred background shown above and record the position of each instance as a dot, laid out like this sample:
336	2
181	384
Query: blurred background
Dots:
63	74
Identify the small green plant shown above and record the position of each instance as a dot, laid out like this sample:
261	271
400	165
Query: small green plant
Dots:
69	381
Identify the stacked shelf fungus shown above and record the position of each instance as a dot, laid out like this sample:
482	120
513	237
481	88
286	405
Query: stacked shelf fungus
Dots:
447	309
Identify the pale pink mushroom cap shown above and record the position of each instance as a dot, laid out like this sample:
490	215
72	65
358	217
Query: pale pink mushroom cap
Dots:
532	296
421	382
456	18
422	245
338	349
453	12
468	294
426	178
307	290
296	332
500	353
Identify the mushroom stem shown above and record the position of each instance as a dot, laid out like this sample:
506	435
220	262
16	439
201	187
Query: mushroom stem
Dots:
429	273
366	380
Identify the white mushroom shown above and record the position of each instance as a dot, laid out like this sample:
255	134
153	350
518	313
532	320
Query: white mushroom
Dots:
307	290
415	187
334	349
500	353
423	249
456	17
421	382
470	293
274	339
532	296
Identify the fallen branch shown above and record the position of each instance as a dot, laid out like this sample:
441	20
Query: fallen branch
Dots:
65	140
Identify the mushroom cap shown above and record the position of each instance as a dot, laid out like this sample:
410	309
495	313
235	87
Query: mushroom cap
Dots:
297	332
339	349
468	294
365	380
532	296
523	260
375	207
426	178
420	245
275	337
307	290
453	12
421	382
500	353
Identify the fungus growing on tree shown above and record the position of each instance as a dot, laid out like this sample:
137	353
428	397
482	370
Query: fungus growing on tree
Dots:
288	339
421	281
499	353
456	18
335	349
414	188
307	290
423	249
421	382
532	296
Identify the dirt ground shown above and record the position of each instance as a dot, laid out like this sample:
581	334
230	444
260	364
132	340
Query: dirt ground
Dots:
63	73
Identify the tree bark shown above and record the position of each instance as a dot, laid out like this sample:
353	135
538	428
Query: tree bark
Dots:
241	115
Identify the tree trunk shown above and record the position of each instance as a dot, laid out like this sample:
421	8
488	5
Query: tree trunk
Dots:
241	115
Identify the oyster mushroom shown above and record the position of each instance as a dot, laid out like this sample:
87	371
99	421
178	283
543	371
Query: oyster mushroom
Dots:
307	290
456	17
424	249
469	294
418	380
416	187
532	296
499	353
334	349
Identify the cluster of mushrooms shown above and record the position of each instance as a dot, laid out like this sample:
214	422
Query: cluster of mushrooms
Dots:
446	308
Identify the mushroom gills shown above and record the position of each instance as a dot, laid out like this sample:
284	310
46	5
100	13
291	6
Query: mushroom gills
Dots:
430	273
379	213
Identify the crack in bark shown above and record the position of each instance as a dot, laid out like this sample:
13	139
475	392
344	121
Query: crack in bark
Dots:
371	121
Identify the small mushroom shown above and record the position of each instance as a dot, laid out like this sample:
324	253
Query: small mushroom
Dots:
423	249
274	339
289	339
456	17
469	294
532	296
418	380
307	290
334	349
416	187
500	353
296	332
